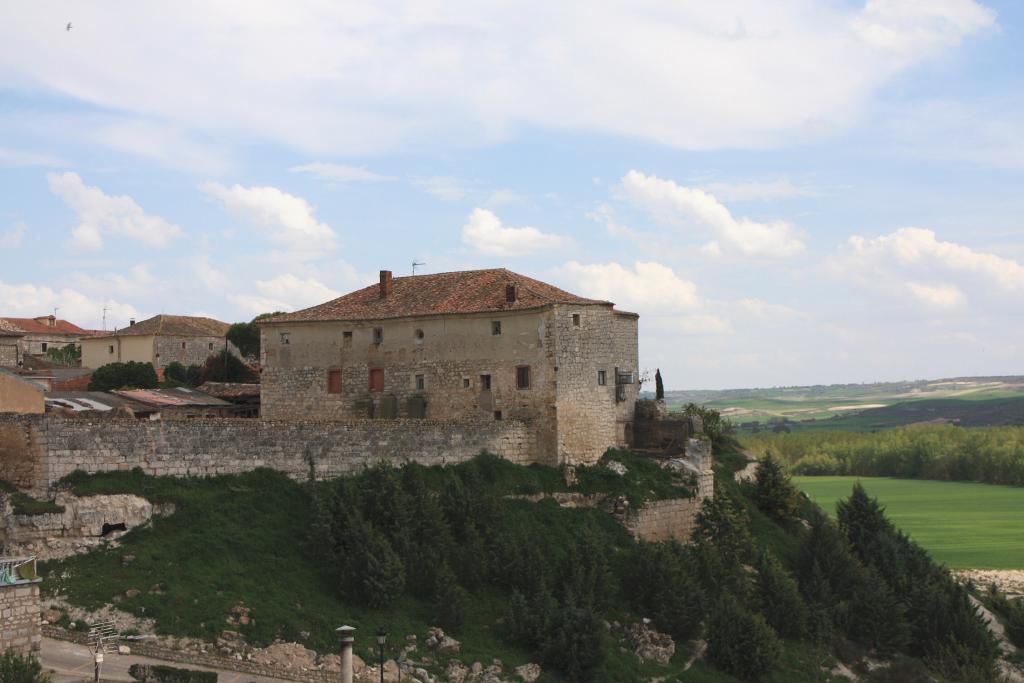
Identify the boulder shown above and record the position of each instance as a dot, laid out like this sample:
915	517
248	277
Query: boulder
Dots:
528	672
648	644
437	640
616	467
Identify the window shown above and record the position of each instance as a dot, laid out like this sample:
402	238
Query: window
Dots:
575	319
111	348
497	414
286	338
376	379
485	382
378	335
44	346
602	378
523	377
211	346
465	383
420	383
418	335
495	327
346	338
182	344
334	381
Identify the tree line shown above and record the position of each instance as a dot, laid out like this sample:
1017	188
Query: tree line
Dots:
993	455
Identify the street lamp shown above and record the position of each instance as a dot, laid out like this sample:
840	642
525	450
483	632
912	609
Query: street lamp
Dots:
345	635
382	636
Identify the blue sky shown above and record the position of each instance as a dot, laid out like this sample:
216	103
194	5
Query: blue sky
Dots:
788	193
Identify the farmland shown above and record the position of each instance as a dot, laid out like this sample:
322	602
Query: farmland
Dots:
963	525
968	401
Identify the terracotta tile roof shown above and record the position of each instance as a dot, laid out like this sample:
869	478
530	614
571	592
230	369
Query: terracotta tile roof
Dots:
42	326
174	326
9	330
180	396
227	390
470	291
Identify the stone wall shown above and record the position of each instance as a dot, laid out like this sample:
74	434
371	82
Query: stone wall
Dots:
19	617
46	448
668	520
9	354
188	350
668	435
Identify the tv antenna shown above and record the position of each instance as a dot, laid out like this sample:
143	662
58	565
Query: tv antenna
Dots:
105	309
102	639
416	263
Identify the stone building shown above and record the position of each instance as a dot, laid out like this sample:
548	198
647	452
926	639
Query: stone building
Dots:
484	344
159	340
10	349
20	628
38	335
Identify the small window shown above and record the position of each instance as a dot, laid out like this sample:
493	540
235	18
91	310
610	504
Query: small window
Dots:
111	348
286	338
420	383
211	346
485	382
44	346
182	344
523	377
334	381
378	335
495	327
418	335
602	378
497	414
465	383
346	338
376	379
575	319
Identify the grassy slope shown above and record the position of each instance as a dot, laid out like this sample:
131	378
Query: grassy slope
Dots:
963	525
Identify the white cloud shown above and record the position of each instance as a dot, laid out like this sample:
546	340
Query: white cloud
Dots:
484	232
28	300
166	144
211	277
101	214
685	208
648	288
138	281
341	173
911	251
938	296
688	73
444	188
605	215
9	239
286	292
284	218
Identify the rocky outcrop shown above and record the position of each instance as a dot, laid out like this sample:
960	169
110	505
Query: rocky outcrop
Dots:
646	643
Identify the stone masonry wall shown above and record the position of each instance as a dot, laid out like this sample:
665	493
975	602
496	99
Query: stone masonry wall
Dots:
188	350
9	352
19	617
668	520
58	445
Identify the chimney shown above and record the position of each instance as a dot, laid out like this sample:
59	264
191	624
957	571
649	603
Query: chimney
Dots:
52	320
386	284
510	293
131	322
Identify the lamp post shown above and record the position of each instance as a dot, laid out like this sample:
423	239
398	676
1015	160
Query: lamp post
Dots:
382	636
345	635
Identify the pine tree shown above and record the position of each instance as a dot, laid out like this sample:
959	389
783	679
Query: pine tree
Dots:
773	492
779	598
450	599
742	643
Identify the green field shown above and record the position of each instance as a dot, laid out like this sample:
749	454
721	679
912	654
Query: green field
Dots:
963	525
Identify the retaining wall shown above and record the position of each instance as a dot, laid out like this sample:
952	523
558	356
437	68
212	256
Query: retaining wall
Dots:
36	451
19	617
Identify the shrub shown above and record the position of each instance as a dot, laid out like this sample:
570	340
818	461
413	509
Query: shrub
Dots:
130	375
742	643
226	367
18	668
176	371
576	647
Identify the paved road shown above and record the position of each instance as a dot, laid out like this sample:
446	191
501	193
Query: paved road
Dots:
73	662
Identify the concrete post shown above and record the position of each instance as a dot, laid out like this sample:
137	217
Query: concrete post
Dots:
345	634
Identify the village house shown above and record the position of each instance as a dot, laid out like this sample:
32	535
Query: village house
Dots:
160	340
46	332
483	344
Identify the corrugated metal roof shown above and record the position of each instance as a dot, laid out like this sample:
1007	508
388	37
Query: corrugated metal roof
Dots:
98	401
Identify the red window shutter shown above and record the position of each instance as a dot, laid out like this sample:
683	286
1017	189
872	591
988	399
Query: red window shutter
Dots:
334	381
377	379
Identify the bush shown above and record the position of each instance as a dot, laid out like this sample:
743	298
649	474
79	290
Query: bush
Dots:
130	375
742	643
18	668
226	367
176	372
159	673
576	647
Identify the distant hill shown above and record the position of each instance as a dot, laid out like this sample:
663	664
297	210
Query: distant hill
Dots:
970	401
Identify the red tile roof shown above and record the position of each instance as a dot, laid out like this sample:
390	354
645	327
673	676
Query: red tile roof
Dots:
9	330
42	326
174	326
470	291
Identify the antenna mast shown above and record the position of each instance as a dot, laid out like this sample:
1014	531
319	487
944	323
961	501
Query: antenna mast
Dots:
416	263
